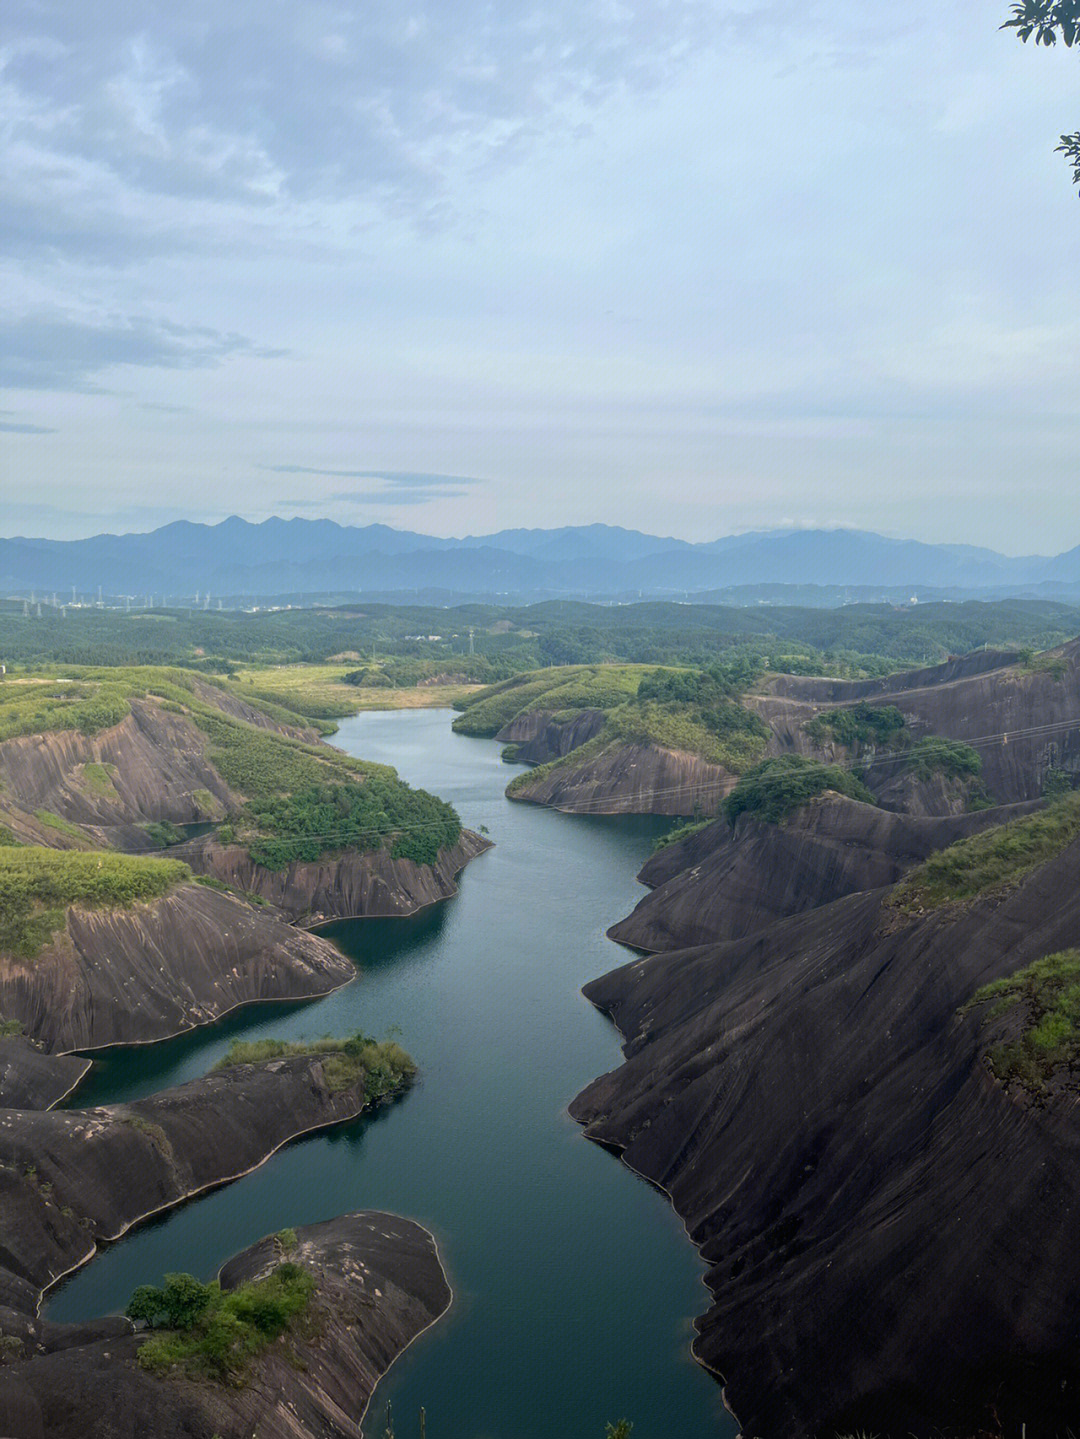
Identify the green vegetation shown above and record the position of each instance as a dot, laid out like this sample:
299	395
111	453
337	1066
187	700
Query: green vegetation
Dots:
686	710
10	1026
56	821
382	1066
407	644
7	837
777	787
995	860
857	725
215	1333
99	779
325	818
681	832
305	799
570	687
1057	782
933	755
287	1239
1048	994
1047	664
37	885
162	833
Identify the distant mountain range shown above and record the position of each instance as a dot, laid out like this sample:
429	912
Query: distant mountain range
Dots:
278	557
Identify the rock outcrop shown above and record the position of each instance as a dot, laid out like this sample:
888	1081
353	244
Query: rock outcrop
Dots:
1024	718
726	881
129	976
69	1178
150	766
890	1236
379	1284
543	735
629	779
339	886
30	1078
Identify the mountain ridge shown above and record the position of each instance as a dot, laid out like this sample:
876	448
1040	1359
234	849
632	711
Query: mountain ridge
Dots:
237	557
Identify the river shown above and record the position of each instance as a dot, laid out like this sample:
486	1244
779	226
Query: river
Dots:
574	1283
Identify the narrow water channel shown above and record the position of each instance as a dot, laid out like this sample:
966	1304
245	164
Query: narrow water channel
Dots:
574	1284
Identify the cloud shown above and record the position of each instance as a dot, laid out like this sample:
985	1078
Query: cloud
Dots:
14	427
404	478
375	497
55	351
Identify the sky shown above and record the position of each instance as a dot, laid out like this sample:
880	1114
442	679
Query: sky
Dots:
689	266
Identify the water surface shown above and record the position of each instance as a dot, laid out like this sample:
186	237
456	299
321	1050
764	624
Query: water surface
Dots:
574	1284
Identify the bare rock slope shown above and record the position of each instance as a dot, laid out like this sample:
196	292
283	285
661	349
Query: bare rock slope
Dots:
129	976
890	1236
352	883
379	1284
70	1178
726	881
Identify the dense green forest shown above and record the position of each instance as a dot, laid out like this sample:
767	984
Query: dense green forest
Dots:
402	645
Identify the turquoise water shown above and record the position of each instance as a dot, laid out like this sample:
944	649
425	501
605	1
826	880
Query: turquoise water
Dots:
574	1284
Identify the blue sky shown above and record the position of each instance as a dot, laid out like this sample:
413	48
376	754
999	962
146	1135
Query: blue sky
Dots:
691	267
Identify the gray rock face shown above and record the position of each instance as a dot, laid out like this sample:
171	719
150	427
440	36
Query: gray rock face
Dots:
32	1079
339	886
724	882
890	1237
128	976
1031	714
539	736
69	1178
379	1284
631	779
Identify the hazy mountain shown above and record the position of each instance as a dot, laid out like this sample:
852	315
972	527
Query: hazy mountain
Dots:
280	557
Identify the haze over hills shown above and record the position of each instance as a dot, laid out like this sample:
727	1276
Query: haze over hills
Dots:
308	557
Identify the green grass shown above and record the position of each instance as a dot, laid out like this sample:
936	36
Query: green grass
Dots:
381	1066
681	832
162	833
214	1333
37	886
1048	993
99	780
777	787
57	822
689	711
991	862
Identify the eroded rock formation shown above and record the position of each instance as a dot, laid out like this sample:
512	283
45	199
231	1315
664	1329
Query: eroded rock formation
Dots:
128	976
379	1284
890	1236
726	881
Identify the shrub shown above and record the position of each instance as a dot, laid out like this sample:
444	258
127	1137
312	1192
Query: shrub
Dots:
381	1065
778	786
934	755
857	725
1049	1039
215	1333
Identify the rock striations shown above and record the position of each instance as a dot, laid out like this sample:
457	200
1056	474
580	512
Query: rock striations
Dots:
345	885
130	976
889	1234
726	881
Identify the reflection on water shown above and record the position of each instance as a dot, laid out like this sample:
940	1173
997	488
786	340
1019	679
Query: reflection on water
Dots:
574	1283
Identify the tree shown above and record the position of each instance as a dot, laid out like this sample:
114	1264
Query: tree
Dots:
1048	21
